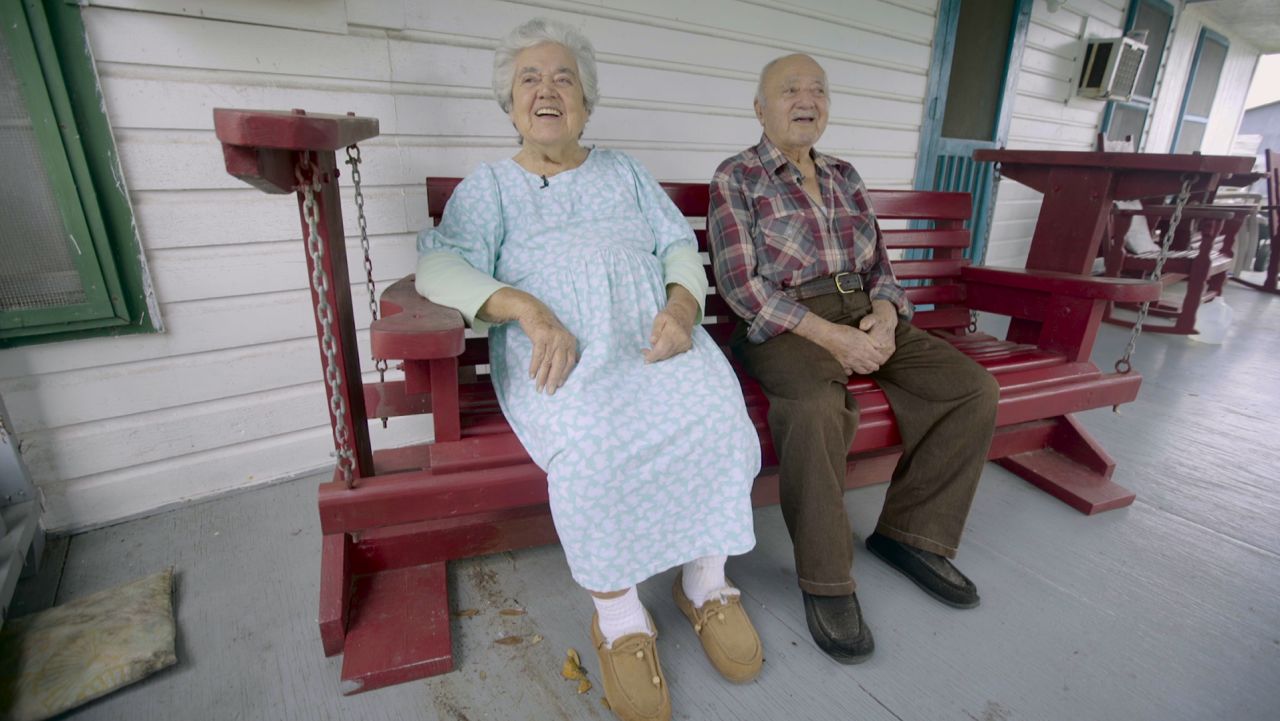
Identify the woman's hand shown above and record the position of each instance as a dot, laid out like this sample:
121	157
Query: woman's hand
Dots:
555	350
673	326
670	337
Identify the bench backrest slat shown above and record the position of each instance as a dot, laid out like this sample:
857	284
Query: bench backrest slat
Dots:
932	238
933	269
931	278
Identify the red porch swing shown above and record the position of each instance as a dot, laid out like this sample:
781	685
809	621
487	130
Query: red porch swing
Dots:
391	519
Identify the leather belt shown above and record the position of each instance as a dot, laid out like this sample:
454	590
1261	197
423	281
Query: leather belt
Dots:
842	283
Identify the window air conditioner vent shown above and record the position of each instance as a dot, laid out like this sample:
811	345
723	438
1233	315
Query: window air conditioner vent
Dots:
1111	68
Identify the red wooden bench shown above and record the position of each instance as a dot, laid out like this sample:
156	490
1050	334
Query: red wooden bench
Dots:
473	489
1201	254
391	518
1271	282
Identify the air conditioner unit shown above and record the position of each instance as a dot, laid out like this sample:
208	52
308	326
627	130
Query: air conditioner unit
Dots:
1111	68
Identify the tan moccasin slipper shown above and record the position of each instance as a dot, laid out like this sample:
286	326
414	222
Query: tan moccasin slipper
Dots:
727	636
632	676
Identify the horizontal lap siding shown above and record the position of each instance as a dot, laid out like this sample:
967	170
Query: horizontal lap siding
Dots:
1042	116
230	395
1047	115
1233	85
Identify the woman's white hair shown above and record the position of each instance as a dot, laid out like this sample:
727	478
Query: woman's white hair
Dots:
536	32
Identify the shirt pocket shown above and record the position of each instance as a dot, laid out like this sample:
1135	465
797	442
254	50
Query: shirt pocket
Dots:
788	245
857	235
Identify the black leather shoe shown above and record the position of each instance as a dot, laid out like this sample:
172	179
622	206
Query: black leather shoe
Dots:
929	571
837	627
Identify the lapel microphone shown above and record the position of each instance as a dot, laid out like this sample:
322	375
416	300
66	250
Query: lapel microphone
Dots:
544	181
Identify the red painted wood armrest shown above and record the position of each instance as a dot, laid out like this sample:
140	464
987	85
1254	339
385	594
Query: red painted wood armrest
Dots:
1124	290
414	328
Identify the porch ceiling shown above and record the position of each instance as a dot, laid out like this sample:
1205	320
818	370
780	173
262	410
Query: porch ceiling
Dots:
1257	21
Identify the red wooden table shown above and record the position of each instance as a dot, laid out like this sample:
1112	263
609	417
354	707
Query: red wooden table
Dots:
1079	188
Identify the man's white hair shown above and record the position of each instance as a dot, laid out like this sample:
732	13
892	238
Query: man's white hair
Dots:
536	32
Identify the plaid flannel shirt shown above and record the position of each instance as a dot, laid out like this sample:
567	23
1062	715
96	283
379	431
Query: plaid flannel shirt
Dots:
766	234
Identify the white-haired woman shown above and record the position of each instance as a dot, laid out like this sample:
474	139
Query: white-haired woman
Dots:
593	285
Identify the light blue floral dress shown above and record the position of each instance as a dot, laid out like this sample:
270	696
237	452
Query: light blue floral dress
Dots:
649	465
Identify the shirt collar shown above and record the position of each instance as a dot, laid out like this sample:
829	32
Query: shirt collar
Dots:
773	160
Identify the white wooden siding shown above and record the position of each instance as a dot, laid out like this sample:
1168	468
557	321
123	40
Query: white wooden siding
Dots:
1233	85
1047	115
230	396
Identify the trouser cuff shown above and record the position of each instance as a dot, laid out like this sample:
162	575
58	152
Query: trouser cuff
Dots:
912	539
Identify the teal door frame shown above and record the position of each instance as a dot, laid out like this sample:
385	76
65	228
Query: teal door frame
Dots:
1206	36
1131	18
947	163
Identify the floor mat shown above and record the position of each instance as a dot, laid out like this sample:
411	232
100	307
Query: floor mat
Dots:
68	655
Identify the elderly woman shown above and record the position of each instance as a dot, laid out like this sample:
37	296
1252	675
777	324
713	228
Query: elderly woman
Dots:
592	283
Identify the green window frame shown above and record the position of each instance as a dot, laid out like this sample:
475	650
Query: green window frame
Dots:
47	52
1202	87
1131	117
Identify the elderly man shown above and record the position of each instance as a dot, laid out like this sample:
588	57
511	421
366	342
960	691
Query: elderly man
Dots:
799	257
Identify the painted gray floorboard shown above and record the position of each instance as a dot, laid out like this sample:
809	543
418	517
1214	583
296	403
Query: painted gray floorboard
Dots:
1166	610
1201	440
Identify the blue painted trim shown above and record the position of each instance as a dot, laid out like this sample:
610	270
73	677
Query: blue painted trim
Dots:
1162	4
932	146
985	208
944	41
1012	67
940	76
1146	103
1211	36
1216	37
1105	126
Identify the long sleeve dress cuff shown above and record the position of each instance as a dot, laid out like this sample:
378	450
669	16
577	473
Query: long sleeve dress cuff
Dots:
446	279
683	266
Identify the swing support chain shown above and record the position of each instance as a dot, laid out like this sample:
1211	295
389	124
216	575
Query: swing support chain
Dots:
1124	364
354	160
309	184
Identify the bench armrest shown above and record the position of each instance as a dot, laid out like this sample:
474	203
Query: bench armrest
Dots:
1121	290
414	328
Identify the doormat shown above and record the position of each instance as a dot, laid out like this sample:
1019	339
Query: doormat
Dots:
68	655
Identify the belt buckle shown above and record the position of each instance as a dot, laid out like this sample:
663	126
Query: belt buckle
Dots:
842	289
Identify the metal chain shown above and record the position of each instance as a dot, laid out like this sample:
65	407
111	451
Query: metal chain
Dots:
324	314
1124	365
353	159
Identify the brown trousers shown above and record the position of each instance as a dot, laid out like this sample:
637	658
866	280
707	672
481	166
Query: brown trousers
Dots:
945	405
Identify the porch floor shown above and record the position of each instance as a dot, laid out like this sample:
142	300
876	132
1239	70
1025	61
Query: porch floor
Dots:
1168	609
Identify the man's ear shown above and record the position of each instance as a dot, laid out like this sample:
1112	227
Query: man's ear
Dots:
759	111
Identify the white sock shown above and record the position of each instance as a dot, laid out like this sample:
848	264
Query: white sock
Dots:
621	616
703	578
